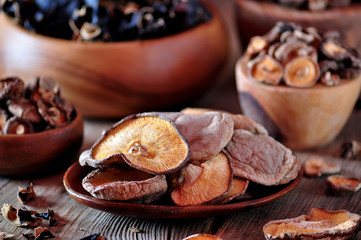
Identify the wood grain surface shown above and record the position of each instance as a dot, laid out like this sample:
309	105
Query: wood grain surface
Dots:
77	221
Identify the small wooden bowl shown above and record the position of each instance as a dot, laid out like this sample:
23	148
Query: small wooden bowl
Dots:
258	17
110	80
42	152
299	118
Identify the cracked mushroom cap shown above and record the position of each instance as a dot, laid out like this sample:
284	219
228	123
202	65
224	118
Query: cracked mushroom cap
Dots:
148	141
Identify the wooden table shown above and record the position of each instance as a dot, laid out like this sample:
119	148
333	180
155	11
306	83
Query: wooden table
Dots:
77	221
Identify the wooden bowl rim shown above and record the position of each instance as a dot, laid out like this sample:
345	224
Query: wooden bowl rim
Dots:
241	73
215	18
78	120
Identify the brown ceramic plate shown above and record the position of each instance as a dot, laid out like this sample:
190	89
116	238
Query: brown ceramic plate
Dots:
163	209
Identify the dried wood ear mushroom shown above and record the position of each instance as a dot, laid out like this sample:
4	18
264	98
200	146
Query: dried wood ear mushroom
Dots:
125	183
343	184
317	166
318	224
149	142
299	57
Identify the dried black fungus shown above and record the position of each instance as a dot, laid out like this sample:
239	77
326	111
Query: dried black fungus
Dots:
90	20
26	194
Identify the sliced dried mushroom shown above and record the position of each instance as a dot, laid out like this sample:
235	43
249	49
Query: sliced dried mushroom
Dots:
265	69
317	166
21	217
261	159
351	150
147	141
17	125
26	194
256	45
121	184
343	184
206	133
202	236
318	224
204	184
301	72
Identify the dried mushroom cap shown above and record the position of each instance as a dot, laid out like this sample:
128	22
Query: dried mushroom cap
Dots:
256	45
21	217
125	183
207	133
261	159
317	166
293	49
25	109
17	125
301	72
334	50
318	224
204	184
342	184
265	69
149	142
202	236
11	87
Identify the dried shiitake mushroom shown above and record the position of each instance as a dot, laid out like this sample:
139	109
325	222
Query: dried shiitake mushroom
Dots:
203	184
265	69
261	159
202	236
206	133
318	224
125	183
11	87
343	184
317	166
334	50
148	141
301	72
17	125
256	45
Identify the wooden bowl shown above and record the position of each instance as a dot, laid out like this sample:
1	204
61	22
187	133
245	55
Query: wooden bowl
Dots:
299	118
42	152
110	80
258	17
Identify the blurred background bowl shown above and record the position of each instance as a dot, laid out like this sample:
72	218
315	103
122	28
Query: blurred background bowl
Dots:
41	152
257	17
301	118
110	80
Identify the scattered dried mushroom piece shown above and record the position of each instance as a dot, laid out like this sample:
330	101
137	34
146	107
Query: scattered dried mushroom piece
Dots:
351	150
318	224
342	184
300	57
149	142
26	194
202	236
21	217
317	166
40	233
125	183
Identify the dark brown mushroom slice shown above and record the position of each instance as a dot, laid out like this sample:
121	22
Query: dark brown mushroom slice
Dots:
318	166
342	184
11	87
265	69
256	45
17	125
203	184
125	184
23	108
293	49
350	150
147	141
335	50
261	159
301	72
318	224
206	133
202	236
